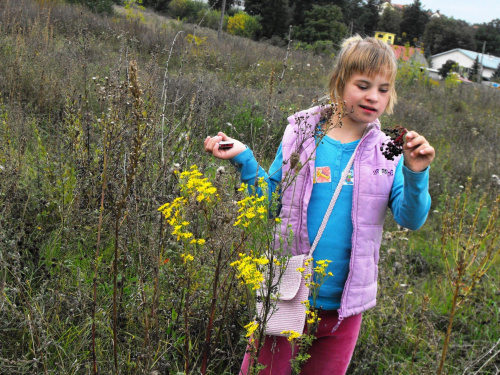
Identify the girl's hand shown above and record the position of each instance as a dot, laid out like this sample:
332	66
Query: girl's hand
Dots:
212	147
418	153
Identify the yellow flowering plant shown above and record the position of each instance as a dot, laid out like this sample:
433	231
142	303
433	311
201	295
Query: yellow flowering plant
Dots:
303	342
261	266
218	236
225	238
192	219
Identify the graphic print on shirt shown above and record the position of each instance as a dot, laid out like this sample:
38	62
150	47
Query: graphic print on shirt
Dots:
349	180
383	171
322	175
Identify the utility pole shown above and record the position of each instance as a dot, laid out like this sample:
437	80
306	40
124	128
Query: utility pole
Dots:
480	75
219	32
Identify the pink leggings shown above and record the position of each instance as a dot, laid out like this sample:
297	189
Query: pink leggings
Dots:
330	352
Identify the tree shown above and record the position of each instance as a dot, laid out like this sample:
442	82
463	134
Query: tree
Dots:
414	21
496	74
275	16
217	4
389	21
369	16
351	10
322	22
447	67
444	34
489	33
474	71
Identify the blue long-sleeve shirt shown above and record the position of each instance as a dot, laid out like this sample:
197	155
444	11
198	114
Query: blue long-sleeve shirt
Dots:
409	202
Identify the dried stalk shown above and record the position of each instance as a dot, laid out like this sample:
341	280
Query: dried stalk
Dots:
469	246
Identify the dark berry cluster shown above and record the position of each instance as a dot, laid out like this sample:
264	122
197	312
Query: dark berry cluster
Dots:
394	147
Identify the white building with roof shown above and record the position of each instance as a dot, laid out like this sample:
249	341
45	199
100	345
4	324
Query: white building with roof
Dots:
466	59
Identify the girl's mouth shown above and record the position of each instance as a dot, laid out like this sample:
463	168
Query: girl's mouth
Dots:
369	109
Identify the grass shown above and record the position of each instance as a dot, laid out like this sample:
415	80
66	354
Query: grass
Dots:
65	107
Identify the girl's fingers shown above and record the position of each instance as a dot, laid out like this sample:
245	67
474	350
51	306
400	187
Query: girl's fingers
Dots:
420	150
414	140
211	143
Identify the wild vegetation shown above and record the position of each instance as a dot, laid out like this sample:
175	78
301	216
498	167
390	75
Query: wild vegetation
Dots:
102	121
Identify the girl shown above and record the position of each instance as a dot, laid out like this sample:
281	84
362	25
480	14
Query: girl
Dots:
364	79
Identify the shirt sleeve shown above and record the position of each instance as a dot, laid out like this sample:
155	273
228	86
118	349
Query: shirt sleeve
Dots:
410	200
251	171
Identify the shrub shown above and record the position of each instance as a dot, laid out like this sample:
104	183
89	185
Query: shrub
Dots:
210	19
323	47
186	9
448	66
97	6
243	24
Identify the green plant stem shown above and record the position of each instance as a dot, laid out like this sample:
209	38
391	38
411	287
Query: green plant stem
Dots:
186	328
208	335
456	292
96	265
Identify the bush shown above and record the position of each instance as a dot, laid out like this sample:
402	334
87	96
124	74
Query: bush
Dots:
323	47
448	66
97	6
243	24
211	19
320	47
187	10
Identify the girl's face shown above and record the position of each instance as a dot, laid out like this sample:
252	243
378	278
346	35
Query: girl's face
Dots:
365	98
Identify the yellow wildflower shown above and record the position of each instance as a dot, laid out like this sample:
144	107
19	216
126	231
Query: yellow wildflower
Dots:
251	328
187	257
292	335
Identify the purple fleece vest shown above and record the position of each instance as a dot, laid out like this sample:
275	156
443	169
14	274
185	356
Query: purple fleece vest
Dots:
370	199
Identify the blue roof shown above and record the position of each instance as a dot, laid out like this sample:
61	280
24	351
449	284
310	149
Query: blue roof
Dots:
489	61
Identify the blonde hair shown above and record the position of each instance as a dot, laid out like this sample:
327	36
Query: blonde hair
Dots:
368	56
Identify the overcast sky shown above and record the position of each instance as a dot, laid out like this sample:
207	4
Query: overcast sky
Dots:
472	11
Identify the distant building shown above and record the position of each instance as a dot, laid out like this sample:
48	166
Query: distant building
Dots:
465	59
387	4
239	4
435	14
385	37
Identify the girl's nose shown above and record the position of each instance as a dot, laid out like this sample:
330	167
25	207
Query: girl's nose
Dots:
372	95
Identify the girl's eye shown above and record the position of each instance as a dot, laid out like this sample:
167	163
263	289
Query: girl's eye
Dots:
384	90
362	87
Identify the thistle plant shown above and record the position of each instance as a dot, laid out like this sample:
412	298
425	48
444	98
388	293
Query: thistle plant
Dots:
469	246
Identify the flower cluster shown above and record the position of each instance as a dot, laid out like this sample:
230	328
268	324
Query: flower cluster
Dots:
194	189
199	188
320	275
321	266
252	207
187	257
291	335
251	328
250	269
